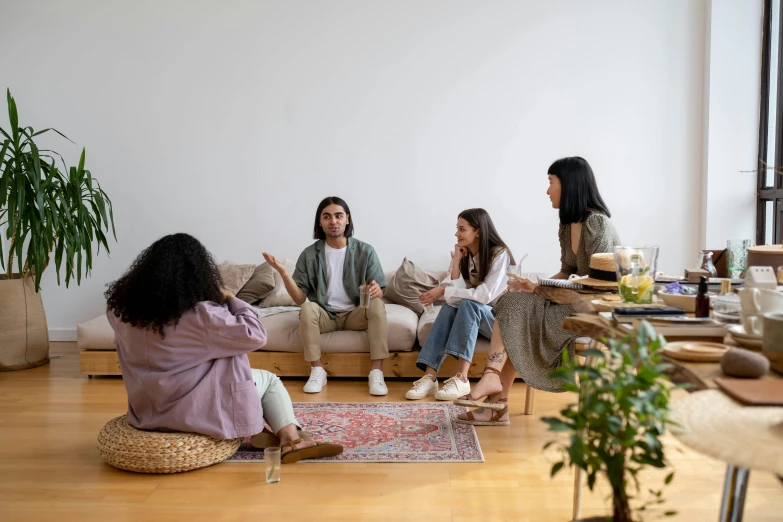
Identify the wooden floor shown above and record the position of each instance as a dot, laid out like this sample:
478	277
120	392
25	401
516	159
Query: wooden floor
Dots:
50	468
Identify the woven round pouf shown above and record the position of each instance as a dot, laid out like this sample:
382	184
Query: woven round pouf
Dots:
125	447
714	424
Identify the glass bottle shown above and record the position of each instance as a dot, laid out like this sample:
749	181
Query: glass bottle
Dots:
702	299
705	262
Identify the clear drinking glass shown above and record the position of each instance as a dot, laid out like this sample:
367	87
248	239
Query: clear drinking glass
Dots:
705	262
513	271
272	462
737	257
636	273
364	297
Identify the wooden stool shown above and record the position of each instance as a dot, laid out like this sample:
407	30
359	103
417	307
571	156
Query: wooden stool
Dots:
125	447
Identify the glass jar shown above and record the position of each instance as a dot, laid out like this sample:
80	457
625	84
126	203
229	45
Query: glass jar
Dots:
636	273
705	262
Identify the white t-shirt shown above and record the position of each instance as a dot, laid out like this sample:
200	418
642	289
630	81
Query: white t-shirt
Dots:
336	297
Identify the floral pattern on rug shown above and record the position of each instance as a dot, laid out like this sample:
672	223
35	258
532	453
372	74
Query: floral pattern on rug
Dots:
384	432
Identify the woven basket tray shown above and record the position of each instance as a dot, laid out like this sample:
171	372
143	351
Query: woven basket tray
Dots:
125	447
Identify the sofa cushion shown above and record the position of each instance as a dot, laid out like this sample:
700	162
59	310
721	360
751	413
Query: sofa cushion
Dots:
96	334
283	333
235	276
279	296
424	327
408	283
260	284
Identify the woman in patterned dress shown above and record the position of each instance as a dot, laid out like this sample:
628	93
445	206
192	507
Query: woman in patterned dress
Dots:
528	328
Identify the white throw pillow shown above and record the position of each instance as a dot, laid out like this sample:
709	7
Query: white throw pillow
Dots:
279	296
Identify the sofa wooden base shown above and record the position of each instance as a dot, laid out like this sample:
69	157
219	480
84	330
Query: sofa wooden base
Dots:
399	364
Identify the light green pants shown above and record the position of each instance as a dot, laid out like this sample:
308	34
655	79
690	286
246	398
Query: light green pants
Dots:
275	401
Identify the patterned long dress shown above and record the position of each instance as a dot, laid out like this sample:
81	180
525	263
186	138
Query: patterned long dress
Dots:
531	326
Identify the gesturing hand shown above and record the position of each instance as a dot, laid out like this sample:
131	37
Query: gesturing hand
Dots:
274	263
459	253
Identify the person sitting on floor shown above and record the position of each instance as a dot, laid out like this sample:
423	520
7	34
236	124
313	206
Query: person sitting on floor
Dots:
182	343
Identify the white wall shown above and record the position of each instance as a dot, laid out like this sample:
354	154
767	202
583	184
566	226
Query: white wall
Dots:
231	120
731	126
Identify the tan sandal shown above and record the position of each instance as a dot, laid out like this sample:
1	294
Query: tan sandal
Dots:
468	400
267	439
494	420
319	451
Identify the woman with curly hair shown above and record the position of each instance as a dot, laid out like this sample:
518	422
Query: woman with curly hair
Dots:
182	343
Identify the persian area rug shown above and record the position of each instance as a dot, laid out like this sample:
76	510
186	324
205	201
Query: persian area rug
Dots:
384	432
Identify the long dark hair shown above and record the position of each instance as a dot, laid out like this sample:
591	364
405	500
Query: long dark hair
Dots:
579	191
318	232
167	279
490	243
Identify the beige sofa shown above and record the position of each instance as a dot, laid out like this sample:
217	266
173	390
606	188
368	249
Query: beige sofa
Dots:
345	354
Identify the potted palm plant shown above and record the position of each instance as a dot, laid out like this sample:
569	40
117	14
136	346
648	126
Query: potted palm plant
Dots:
614	430
44	212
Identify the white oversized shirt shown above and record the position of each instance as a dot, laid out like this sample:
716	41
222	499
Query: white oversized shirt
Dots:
487	292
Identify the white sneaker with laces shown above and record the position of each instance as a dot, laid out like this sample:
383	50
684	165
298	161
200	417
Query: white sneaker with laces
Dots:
453	389
316	381
422	388
377	385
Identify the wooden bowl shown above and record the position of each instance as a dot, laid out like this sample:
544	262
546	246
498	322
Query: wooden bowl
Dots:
766	255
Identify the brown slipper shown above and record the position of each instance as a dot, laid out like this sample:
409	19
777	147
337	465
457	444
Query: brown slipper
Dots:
319	451
267	439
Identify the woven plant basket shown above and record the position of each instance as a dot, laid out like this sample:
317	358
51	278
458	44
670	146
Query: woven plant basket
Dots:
125	447
24	337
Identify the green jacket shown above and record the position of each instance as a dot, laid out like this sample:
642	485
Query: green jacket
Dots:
361	265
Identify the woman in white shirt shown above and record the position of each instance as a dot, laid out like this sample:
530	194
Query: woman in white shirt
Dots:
475	280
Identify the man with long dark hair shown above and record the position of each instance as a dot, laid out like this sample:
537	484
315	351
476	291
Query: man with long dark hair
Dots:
330	277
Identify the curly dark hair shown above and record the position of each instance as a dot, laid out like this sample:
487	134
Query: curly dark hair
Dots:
168	278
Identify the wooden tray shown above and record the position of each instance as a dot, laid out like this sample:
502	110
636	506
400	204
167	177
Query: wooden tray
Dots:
695	351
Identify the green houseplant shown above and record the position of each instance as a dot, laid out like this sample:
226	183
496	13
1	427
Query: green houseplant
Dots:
615	428
45	211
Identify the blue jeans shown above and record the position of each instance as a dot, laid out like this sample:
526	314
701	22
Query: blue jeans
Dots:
455	332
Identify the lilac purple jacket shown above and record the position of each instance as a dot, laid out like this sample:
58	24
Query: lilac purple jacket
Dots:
197	378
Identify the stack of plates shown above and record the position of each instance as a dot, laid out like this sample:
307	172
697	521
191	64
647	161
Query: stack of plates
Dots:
743	338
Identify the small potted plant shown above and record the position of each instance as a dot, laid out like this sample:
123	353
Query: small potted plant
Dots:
615	428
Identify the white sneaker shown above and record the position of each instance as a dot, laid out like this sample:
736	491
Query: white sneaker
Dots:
377	386
422	388
316	381
453	389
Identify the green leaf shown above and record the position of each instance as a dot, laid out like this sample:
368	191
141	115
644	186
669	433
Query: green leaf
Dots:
669	478
556	468
13	117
